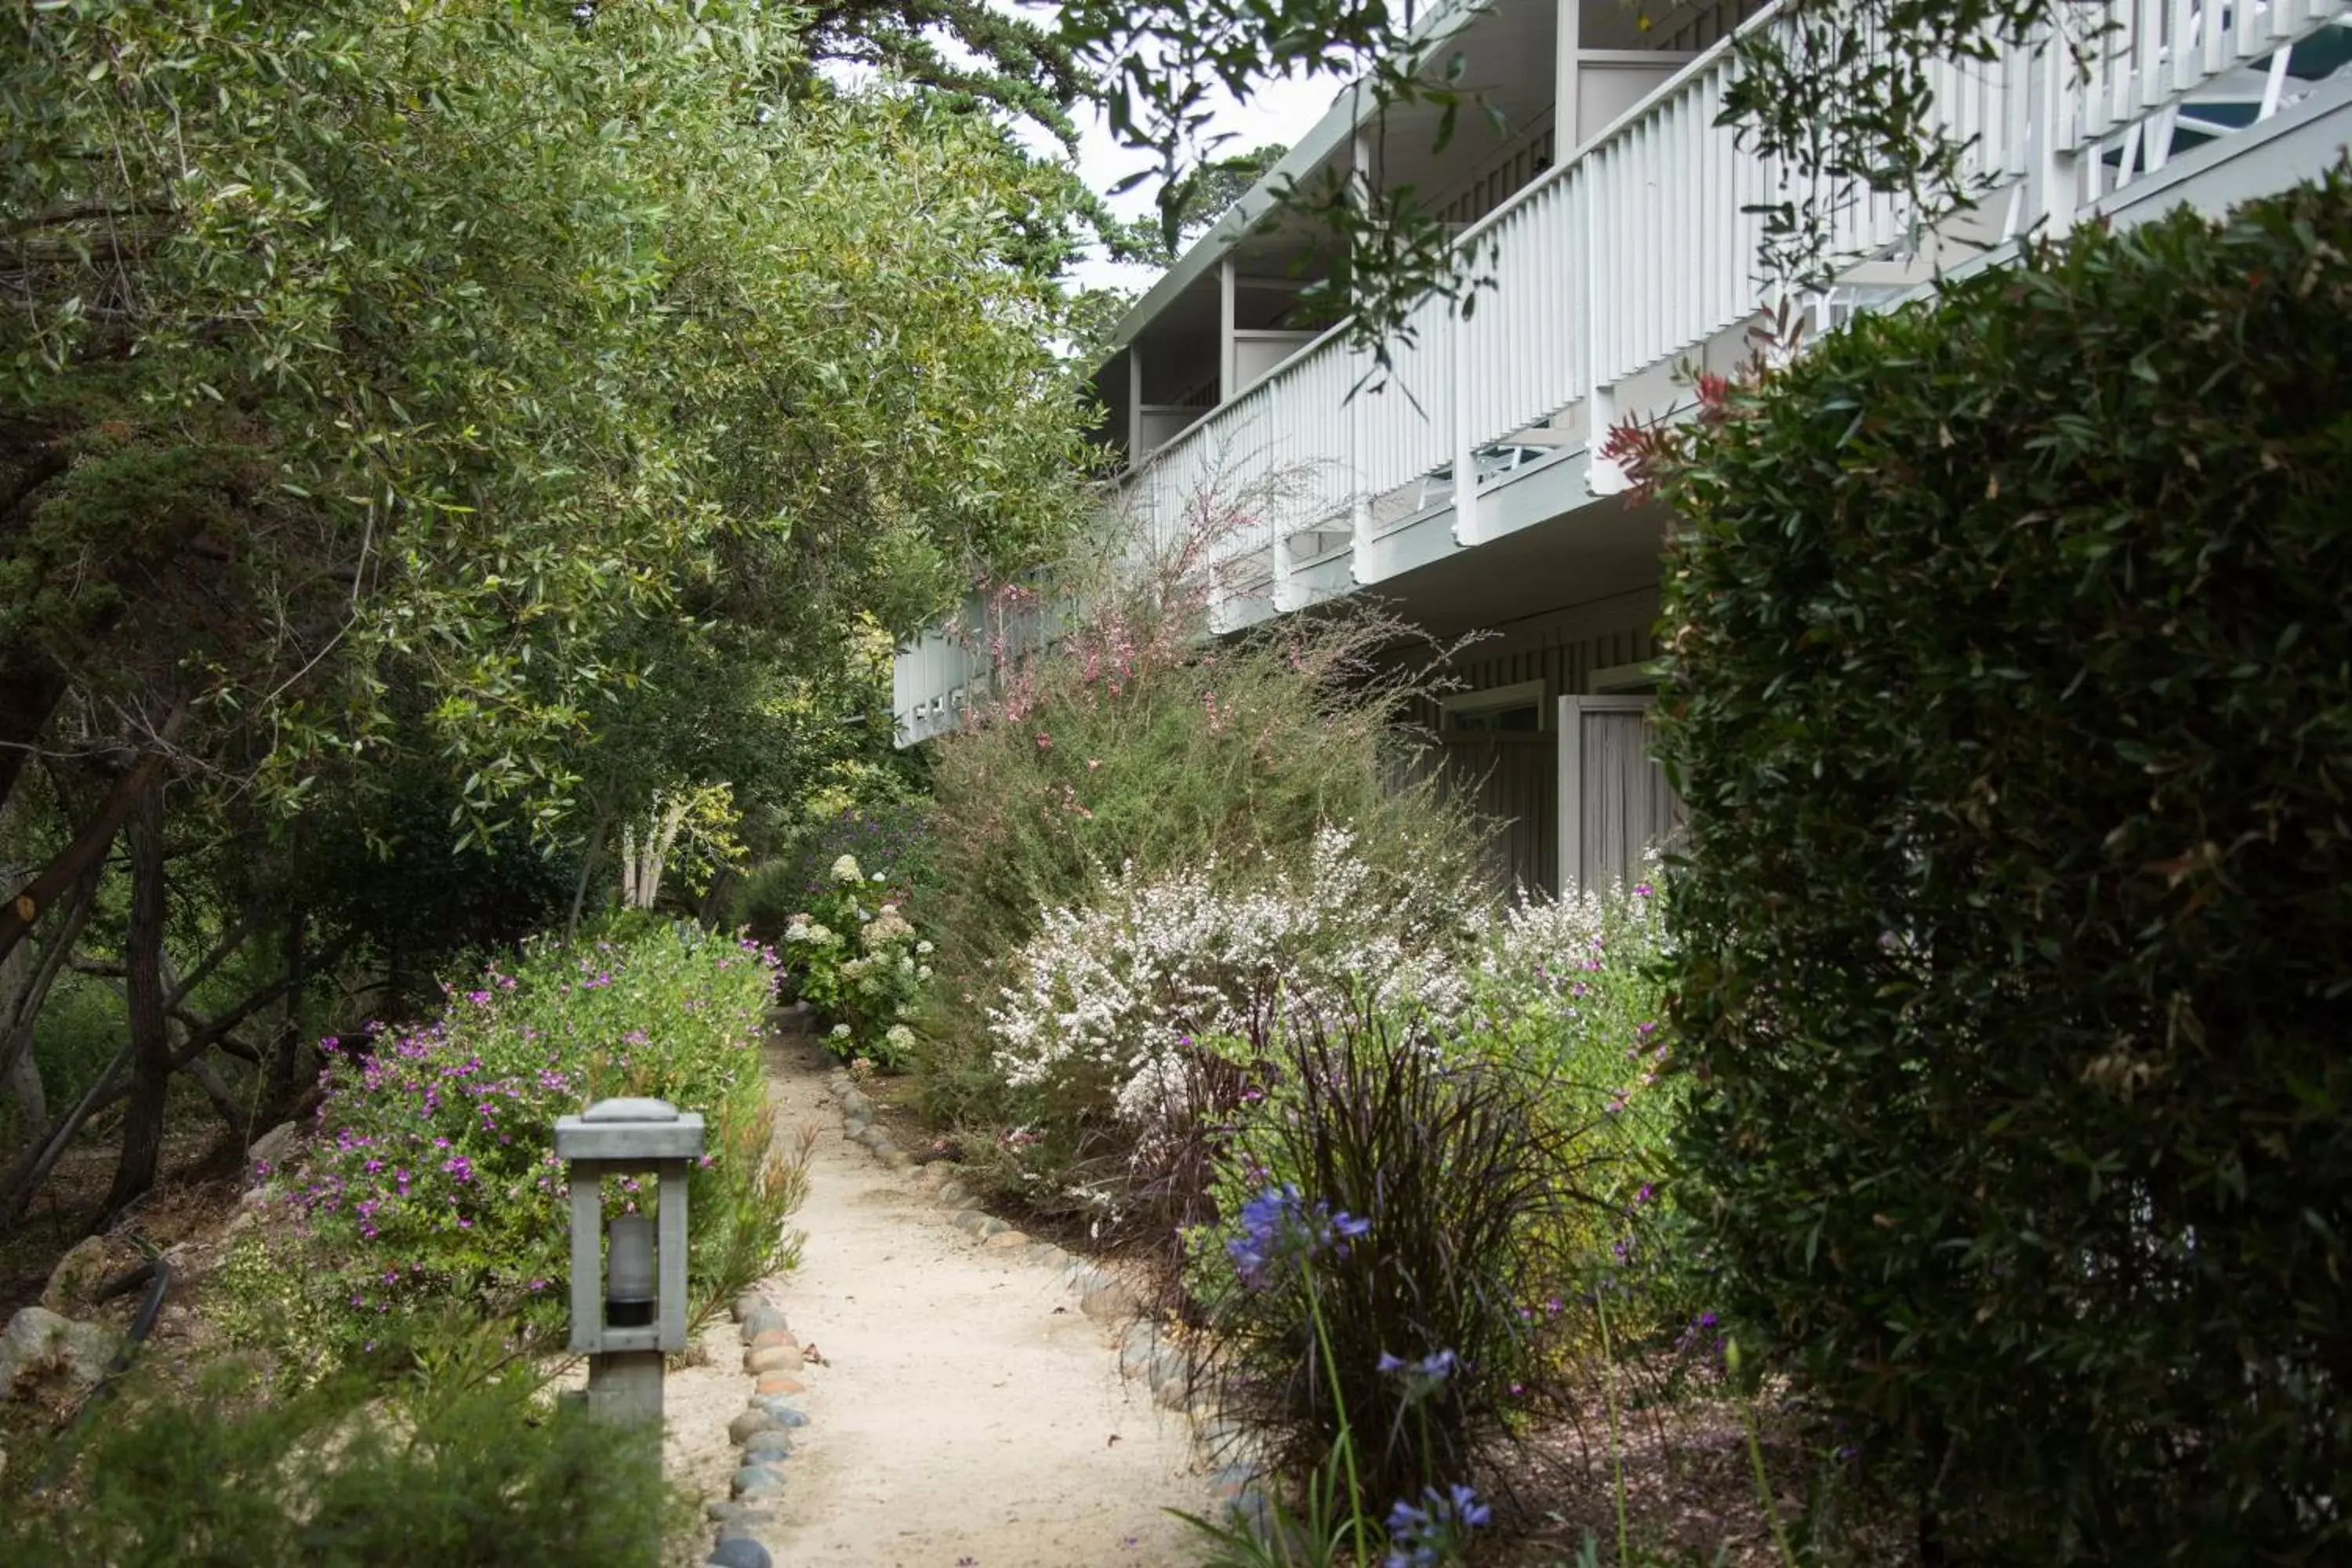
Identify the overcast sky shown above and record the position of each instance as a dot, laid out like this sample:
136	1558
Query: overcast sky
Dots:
1280	111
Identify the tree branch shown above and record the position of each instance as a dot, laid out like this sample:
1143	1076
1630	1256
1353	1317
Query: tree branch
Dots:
89	845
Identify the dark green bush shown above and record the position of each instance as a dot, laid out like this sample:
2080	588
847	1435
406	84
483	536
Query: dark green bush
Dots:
2011	696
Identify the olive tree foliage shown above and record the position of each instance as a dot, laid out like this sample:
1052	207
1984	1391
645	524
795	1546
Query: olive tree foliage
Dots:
485	387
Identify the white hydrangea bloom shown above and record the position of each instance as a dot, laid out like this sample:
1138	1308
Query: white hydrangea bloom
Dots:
886	928
846	869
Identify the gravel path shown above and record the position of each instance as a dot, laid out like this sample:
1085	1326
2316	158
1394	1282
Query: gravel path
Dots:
962	1412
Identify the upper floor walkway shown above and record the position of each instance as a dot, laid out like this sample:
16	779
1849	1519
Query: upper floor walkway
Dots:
1606	272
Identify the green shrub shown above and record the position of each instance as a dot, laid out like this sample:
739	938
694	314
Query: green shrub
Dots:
1136	743
890	837
2011	696
482	1476
432	1181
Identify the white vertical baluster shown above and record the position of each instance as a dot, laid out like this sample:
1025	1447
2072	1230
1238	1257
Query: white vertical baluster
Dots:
2188	61
1601	475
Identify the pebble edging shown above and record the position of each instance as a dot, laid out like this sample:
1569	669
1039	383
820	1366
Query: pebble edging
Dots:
763	1431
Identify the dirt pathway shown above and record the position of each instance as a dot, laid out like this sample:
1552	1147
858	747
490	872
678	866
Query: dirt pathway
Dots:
964	1411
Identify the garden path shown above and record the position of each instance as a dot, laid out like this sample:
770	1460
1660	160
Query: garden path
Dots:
963	1410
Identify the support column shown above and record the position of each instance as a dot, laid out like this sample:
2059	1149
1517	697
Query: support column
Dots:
1228	370
2059	172
1601	475
1136	450
1465	455
1570	35
1359	509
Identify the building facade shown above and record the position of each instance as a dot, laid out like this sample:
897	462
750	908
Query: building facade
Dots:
1611	226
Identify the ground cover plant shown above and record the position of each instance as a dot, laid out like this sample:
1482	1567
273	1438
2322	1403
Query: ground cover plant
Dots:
471	1468
2010	697
431	1188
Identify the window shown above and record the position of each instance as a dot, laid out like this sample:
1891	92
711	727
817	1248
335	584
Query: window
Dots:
1498	711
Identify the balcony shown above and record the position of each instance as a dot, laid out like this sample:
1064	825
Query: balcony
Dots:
1637	255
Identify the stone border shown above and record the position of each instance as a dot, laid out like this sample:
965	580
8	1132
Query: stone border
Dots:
1169	1370
763	1431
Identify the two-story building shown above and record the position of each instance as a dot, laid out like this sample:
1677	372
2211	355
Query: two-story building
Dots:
1613	223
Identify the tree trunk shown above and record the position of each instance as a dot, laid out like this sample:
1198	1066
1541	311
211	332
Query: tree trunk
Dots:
234	1117
285	1046
89	845
588	857
21	1003
150	1025
30	689
40	1156
32	1098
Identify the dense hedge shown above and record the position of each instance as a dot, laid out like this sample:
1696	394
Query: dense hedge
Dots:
2012	695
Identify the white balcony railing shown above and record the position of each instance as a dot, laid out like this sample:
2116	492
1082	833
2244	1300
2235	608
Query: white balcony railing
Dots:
1631	255
1639	249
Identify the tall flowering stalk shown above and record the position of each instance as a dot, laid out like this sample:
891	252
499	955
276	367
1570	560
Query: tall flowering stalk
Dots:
1279	1233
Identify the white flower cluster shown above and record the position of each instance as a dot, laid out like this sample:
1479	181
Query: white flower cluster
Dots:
846	869
885	928
1543	943
808	929
1109	1001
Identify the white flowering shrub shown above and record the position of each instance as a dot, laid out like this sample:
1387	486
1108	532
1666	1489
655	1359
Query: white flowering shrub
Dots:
861	964
1111	1006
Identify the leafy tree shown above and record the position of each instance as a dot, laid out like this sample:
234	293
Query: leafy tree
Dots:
460	387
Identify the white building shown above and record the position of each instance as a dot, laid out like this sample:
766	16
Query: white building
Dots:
1610	220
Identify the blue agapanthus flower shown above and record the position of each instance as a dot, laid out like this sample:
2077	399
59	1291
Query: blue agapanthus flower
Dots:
1435	1530
1420	1378
1278	1228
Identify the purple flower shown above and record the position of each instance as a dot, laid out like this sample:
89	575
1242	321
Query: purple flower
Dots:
1278	1227
1426	1534
1422	1378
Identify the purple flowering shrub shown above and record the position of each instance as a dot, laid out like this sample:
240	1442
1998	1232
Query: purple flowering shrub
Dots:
434	1184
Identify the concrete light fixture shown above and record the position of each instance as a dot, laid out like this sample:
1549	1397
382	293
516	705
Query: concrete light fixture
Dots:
628	1278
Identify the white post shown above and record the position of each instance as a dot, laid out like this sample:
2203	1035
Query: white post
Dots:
2058	173
1228	370
1466	521
1570	31
1136	450
1360	509
1603	477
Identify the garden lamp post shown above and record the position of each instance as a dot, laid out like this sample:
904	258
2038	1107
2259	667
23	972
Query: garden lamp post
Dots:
628	1276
